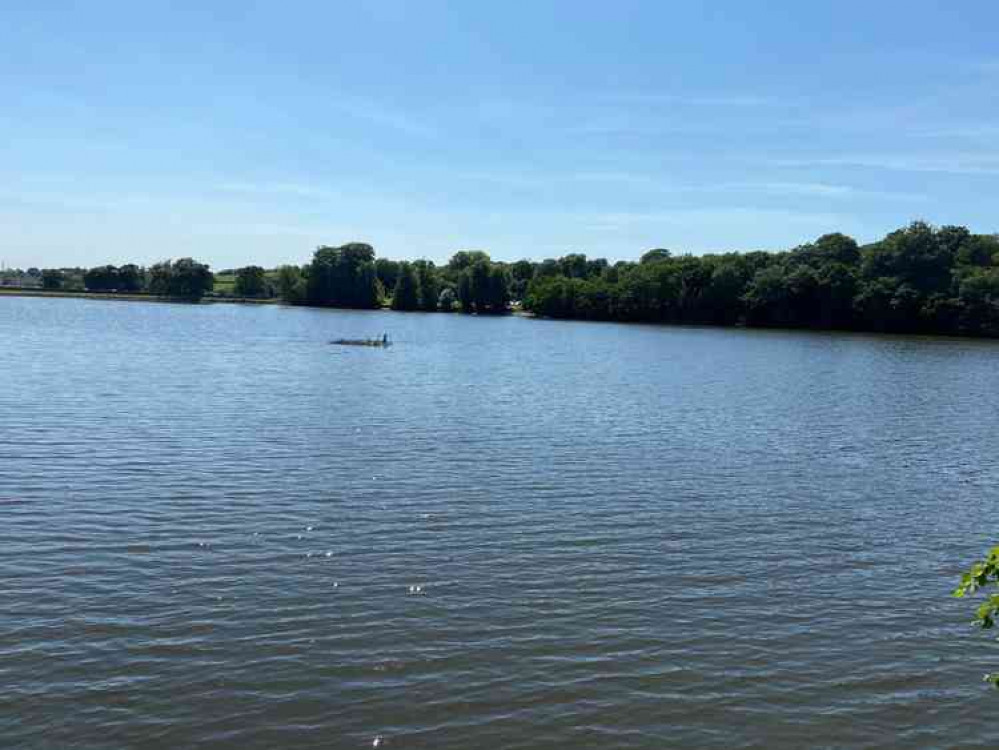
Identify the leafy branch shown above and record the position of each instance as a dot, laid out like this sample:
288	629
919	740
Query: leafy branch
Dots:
983	574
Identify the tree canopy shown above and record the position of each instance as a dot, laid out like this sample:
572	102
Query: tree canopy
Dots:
185	278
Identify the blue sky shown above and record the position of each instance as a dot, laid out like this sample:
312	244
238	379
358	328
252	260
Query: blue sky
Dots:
250	132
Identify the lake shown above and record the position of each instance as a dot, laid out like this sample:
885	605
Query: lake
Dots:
216	530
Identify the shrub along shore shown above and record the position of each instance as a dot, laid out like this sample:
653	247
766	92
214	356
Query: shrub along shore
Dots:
918	279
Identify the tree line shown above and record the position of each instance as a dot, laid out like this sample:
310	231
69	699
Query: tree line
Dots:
920	278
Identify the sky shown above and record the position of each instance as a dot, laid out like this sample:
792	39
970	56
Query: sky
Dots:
252	132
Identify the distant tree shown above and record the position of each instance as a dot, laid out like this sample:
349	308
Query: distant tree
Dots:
656	255
521	274
160	275
466	259
387	272
573	266
291	285
191	280
251	281
130	278
184	279
446	301
466	300
52	278
478	275
406	295
548	268
498	299
101	279
343	277
428	284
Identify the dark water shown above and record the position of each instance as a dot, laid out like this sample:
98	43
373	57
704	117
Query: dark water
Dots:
627	537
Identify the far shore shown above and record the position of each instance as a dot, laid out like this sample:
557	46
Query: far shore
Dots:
130	296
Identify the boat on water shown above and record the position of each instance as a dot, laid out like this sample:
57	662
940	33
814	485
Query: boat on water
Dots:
380	341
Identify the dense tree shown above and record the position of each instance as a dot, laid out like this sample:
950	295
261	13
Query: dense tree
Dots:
656	255
131	278
447	300
429	285
483	287
405	296
53	278
291	285
466	301
521	274
101	279
251	281
343	277
387	272
183	279
918	278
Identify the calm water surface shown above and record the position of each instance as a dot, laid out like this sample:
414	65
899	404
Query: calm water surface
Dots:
625	537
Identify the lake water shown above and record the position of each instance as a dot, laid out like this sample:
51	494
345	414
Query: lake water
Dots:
623	536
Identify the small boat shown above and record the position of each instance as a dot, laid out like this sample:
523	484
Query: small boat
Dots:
381	341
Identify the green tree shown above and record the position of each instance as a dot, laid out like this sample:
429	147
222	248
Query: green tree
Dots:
447	299
251	281
984	574
190	279
343	277
466	300
101	279
185	278
130	278
52	278
405	296
291	285
428	284
387	272
656	255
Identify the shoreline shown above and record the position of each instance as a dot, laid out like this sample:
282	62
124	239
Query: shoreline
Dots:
132	297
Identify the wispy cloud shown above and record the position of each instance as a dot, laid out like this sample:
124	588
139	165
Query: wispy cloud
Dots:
963	164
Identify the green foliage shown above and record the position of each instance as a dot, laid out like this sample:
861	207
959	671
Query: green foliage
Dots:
131	278
483	287
387	272
251	281
128	278
656	255
183	279
291	285
917	279
343	277
447	300
429	285
52	278
101	279
405	296
983	574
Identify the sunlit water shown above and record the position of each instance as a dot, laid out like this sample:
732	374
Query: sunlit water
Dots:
213	524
